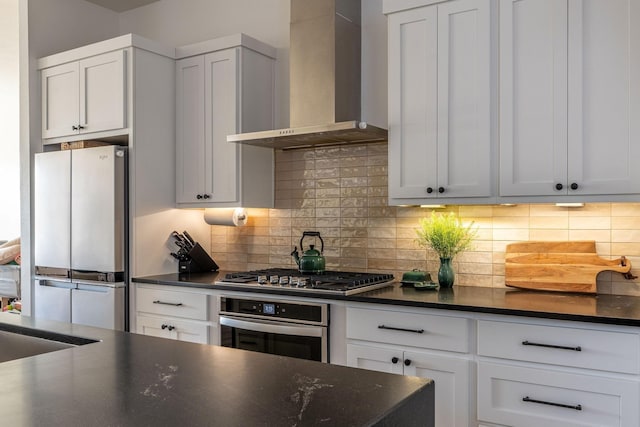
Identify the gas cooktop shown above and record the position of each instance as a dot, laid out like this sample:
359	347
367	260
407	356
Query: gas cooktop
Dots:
329	282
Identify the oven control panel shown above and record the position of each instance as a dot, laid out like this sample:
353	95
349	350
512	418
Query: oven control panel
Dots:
281	310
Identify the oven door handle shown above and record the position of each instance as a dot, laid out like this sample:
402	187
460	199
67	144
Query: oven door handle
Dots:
270	327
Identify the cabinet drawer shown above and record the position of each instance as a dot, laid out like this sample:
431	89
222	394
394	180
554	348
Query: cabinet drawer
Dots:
173	303
181	330
526	397
409	329
580	348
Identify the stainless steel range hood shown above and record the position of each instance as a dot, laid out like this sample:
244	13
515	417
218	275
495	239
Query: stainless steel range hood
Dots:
324	68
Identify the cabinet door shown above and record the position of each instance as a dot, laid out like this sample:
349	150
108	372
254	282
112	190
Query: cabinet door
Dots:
375	358
60	100
452	378
464	152
180	330
413	102
604	96
102	92
221	113
533	103
190	158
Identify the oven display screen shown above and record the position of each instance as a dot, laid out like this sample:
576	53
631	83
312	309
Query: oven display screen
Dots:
268	308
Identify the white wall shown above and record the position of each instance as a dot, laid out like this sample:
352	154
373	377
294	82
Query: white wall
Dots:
181	22
9	124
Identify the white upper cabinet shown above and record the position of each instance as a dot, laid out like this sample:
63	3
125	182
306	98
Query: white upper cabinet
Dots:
440	109
569	98
84	96
227	91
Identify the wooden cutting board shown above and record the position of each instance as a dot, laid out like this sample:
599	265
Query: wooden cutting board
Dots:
558	266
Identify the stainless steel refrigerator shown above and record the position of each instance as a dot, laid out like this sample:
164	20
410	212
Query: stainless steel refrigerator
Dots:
80	236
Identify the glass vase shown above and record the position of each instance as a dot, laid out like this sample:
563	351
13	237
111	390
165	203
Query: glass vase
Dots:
446	276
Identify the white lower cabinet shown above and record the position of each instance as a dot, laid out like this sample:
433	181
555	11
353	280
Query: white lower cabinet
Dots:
546	373
530	397
418	343
182	315
451	376
166	327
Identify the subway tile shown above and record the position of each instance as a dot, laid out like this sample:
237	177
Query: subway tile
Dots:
381	222
620	236
510	222
589	222
382	233
359	232
551	235
342	192
511	211
353	202
328	202
353	222
597	235
475	211
591	209
382	243
508	234
625	209
625	222
377	181
626	249
353	242
549	222
548	210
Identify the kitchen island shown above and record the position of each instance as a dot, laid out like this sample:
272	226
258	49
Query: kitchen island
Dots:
133	380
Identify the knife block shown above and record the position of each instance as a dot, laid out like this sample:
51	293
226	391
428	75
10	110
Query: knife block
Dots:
200	261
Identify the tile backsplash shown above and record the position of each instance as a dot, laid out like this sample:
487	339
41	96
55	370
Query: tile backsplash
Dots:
342	193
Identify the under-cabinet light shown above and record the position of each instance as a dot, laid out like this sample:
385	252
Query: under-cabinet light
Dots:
570	205
433	206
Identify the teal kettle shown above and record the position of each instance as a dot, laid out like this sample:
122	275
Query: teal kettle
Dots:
312	261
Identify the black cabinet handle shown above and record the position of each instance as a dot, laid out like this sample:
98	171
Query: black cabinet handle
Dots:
80	127
407	362
175	304
560	405
429	190
198	196
74	127
206	196
440	190
169	327
559	347
559	186
391	328
394	360
574	186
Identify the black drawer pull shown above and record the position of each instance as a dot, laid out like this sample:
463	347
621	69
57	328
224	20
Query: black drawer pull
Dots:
560	405
391	328
559	347
175	304
171	328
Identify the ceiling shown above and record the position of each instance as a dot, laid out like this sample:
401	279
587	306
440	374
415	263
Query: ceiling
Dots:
121	5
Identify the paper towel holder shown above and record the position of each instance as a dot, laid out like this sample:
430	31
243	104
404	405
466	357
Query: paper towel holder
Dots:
233	217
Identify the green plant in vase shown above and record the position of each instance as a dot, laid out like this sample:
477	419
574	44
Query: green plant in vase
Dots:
447	236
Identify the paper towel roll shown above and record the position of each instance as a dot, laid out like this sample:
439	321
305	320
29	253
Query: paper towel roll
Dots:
226	216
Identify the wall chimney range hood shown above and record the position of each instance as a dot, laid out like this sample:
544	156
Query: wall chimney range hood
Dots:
324	68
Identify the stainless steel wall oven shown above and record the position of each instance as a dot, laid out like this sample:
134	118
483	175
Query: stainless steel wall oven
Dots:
286	328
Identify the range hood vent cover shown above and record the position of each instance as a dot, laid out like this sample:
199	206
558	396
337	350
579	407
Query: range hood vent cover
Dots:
325	71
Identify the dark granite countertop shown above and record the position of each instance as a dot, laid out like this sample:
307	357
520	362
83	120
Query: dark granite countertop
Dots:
134	380
608	309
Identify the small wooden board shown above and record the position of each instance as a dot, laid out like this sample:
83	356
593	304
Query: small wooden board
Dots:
558	266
